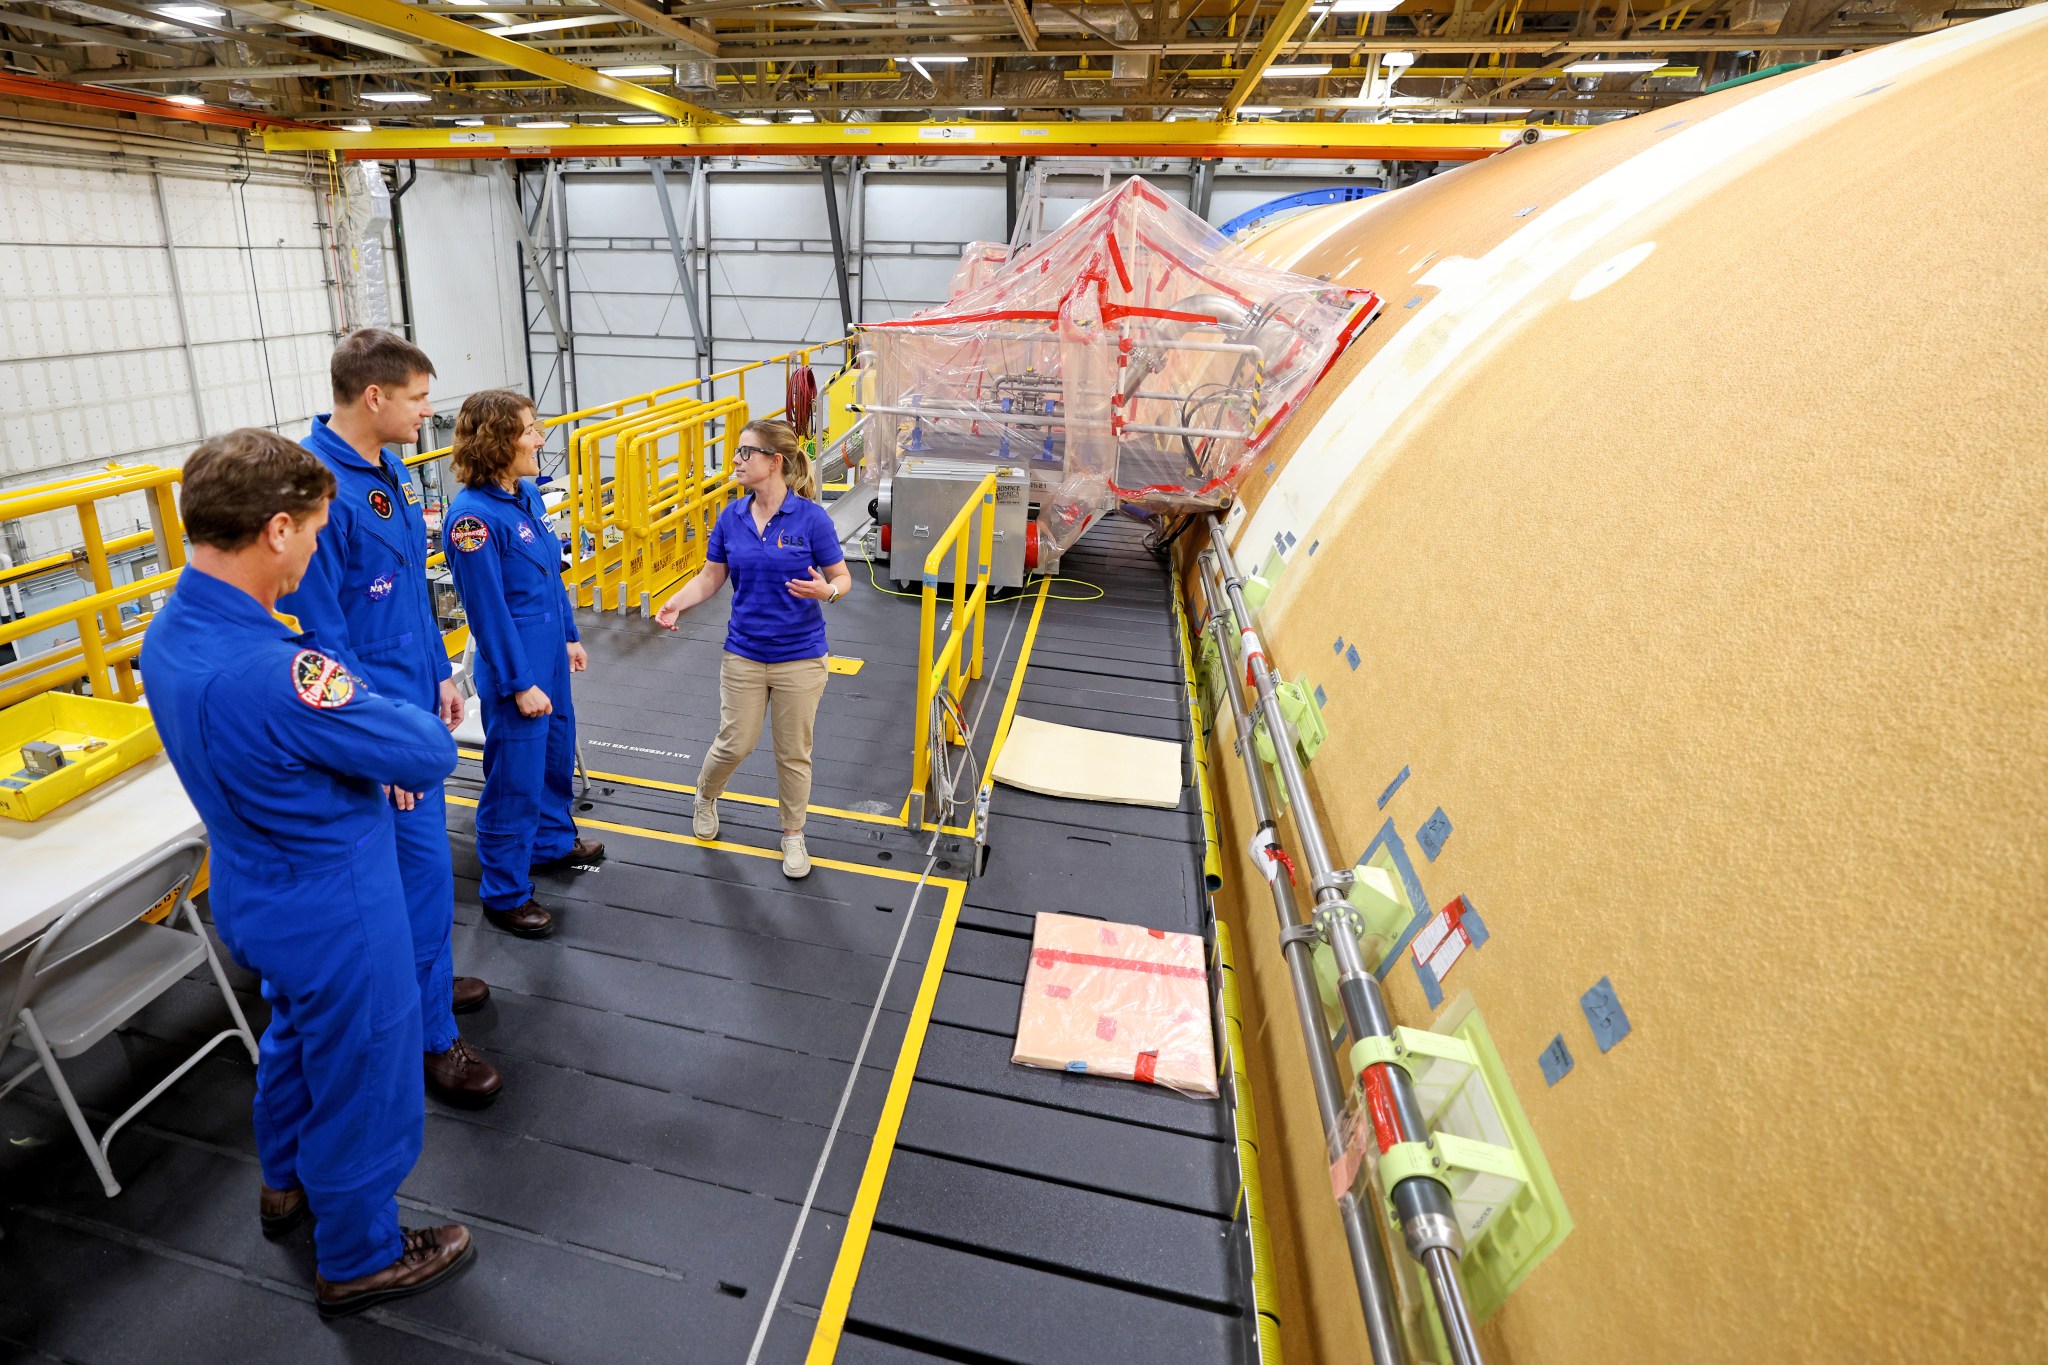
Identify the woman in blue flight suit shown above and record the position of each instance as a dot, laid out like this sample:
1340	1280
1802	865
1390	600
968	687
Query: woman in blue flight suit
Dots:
508	567
285	753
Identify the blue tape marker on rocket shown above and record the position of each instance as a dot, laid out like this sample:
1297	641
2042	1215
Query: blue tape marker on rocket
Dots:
1393	787
1432	989
1430	838
1351	656
1604	1012
1556	1061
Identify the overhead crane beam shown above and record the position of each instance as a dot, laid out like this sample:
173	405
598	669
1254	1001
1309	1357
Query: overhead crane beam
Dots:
320	26
442	31
642	13
1278	30
1330	141
127	102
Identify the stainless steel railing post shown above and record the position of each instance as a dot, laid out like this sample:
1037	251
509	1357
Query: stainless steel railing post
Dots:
1421	1202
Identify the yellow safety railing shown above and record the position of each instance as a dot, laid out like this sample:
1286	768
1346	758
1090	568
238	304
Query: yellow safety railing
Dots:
950	670
104	654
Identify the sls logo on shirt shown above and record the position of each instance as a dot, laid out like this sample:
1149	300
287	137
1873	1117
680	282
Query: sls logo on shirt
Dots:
380	503
380	588
469	534
319	681
790	540
526	533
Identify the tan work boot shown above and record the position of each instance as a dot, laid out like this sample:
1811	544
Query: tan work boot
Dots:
704	820
796	859
431	1256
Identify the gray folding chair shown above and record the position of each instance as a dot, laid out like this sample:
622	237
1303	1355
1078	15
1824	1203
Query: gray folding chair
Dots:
96	967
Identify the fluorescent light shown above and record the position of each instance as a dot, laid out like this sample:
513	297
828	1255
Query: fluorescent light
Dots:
192	100
757	122
543	123
1302	69
200	12
1482	110
927	57
1348	6
469	123
628	72
983	108
355	126
1397	59
803	118
552	25
397	97
1597	68
642	118
1258	108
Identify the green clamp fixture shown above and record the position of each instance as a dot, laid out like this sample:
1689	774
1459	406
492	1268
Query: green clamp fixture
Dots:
1304	716
1481	1147
1381	900
1213	674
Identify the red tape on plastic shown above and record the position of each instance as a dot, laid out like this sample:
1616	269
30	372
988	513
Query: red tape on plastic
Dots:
1047	957
1146	1065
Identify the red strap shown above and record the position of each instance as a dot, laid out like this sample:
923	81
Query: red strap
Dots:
1046	957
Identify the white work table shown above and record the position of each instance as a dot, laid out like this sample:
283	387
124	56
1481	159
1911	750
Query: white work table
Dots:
101	836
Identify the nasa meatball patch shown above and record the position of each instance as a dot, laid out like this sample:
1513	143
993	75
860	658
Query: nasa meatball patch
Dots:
380	503
320	681
526	533
469	534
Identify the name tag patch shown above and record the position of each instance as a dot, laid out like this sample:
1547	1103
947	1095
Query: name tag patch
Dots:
469	534
319	681
412	494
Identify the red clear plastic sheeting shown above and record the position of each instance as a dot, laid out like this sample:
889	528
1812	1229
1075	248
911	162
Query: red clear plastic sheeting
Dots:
1135	355
1117	1000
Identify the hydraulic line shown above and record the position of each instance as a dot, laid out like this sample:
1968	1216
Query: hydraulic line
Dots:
1422	1203
1361	1230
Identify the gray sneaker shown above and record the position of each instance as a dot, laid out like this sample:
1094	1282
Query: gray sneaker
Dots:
704	820
796	859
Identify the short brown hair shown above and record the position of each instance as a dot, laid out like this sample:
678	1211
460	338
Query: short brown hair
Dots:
487	433
234	485
374	356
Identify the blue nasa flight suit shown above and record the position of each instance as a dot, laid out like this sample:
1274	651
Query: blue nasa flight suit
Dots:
283	753
508	567
367	602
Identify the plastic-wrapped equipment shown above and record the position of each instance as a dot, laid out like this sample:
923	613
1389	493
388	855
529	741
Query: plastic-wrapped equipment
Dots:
1134	355
1118	1000
978	262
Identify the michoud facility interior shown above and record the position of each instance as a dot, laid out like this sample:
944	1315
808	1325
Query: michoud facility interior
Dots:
1435	751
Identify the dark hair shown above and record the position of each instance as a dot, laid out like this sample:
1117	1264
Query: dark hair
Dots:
487	433
374	356
781	438
234	485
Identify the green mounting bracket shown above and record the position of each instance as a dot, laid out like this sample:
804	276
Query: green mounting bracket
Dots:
1304	717
1507	1202
1381	900
1406	1161
1212	674
1256	589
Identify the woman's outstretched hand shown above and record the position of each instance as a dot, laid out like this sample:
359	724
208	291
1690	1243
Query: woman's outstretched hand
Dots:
815	587
666	617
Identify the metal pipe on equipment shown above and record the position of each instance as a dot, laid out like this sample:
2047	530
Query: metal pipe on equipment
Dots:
1422	1203
1361	1231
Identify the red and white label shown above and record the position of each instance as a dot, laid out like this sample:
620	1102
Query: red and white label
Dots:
1443	940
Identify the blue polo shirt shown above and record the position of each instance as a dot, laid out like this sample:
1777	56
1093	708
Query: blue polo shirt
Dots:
768	625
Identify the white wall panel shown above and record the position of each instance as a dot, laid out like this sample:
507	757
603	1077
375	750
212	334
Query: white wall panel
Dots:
462	265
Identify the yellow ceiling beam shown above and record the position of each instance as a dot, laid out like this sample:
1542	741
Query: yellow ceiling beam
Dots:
1278	30
428	27
1373	141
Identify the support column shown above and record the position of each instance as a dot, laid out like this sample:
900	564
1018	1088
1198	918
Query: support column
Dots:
838	246
685	275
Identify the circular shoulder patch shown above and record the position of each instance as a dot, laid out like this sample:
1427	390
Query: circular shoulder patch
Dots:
380	503
319	681
469	533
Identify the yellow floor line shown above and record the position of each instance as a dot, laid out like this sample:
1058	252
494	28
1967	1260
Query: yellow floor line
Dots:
853	1246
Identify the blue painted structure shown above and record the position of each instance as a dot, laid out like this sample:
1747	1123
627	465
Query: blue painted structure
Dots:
1286	203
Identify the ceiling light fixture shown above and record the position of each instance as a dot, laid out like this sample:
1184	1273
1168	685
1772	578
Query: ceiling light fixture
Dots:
543	123
1397	60
192	101
642	118
199	13
397	97
1256	109
1302	69
927	57
803	118
1361	6
355	125
757	122
983	108
551	25
626	73
1598	68
469	123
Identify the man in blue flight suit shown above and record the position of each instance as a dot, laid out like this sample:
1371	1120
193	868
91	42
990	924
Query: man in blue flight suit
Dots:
286	756
367	602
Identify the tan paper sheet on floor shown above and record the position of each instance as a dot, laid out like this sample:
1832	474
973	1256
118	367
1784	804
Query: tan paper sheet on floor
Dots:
1117	1000
1090	765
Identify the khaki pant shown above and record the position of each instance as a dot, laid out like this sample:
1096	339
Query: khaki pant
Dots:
745	691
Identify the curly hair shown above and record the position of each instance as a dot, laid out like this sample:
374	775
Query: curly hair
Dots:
487	432
781	438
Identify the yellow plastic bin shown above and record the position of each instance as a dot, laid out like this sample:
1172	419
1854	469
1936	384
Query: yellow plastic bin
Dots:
71	723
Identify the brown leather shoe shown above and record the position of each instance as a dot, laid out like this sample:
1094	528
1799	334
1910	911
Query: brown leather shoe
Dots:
530	920
470	993
431	1255
583	853
460	1076
281	1210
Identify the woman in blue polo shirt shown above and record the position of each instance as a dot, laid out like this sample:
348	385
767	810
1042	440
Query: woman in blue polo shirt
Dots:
773	545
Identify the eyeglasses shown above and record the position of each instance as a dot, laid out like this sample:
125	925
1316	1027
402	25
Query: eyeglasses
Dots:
536	428
745	453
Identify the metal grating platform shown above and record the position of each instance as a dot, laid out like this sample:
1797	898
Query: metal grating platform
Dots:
683	1135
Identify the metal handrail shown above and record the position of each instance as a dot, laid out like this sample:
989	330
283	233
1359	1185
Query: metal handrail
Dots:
99	656
1421	1203
950	669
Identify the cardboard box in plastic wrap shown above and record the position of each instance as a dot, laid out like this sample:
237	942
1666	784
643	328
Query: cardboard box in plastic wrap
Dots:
1118	1000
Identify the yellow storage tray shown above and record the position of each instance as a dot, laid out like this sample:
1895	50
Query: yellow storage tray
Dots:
71	722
